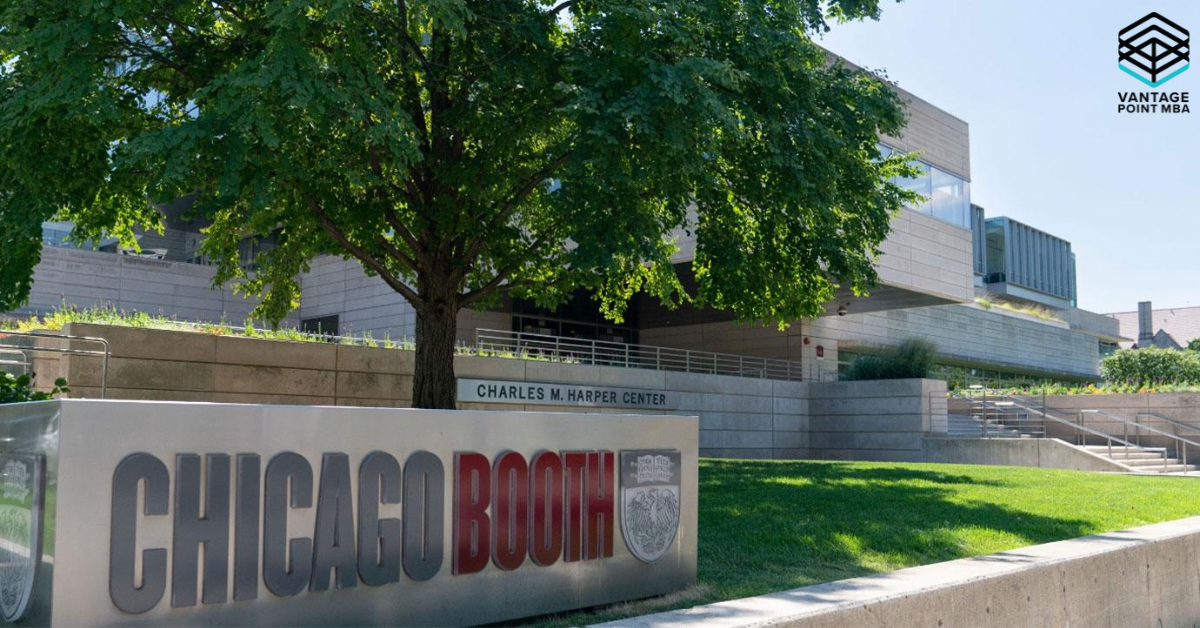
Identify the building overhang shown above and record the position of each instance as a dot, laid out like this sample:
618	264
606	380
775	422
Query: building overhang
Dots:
1022	294
951	359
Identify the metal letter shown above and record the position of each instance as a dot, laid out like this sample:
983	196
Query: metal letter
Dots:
472	527
245	528
600	505
333	543
378	539
546	493
191	530
126	594
286	564
424	515
510	510
575	491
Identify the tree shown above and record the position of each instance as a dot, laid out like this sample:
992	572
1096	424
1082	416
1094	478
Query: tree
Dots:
459	149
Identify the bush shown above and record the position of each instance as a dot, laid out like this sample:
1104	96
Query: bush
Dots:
15	389
1151	367
910	359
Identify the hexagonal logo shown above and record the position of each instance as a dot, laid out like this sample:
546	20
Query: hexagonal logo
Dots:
1153	50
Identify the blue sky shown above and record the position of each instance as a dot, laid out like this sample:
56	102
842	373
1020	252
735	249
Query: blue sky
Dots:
1038	84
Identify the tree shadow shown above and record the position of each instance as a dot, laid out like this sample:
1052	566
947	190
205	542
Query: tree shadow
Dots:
769	526
772	525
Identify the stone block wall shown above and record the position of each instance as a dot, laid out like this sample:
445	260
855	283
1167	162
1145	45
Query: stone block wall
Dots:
875	420
739	417
83	279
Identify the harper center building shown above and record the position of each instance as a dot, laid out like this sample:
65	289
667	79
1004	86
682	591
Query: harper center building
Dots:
994	295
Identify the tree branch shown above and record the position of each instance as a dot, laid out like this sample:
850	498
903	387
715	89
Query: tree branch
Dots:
399	286
509	206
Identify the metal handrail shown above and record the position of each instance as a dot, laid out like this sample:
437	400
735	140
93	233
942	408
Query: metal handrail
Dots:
658	358
1109	438
1079	427
1175	437
103	355
1172	422
999	401
23	362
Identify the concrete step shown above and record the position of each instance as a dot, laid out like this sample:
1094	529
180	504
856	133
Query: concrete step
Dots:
1132	455
1175	468
1115	448
1148	462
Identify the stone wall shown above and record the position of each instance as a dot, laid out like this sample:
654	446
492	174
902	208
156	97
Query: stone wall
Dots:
970	335
1047	453
877	420
1146	576
739	417
364	304
93	279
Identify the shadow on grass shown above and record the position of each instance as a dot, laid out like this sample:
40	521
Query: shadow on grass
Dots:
768	526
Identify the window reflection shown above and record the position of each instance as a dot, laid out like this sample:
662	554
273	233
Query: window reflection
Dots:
946	197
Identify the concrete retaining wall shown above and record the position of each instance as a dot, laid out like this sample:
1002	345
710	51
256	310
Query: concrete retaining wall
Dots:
875	420
739	417
1146	576
1049	453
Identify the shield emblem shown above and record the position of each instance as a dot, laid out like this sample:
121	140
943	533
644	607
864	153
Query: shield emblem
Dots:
22	491
650	501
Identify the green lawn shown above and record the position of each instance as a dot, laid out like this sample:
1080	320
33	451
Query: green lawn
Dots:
773	525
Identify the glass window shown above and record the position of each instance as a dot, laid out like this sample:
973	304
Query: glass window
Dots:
948	199
919	184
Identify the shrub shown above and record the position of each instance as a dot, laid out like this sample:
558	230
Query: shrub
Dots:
910	359
15	389
1151	366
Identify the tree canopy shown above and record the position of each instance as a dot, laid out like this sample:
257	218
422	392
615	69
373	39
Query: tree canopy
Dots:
459	149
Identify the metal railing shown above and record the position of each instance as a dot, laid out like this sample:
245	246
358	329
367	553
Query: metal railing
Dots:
606	353
1082	431
1180	443
102	354
1006	416
1175	425
20	360
999	417
1078	427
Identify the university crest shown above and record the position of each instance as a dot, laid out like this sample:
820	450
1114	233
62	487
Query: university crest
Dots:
22	490
649	501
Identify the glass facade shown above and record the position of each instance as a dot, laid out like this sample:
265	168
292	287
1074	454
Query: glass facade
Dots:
947	197
1020	255
172	245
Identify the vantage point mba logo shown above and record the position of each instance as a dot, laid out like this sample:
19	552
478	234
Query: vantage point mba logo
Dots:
1154	47
1153	50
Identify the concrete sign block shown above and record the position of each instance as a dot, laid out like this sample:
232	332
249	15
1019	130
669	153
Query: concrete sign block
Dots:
127	513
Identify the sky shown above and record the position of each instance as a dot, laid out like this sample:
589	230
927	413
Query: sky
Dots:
1038	84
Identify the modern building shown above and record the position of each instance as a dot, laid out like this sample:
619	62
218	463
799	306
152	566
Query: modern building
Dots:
1166	328
997	297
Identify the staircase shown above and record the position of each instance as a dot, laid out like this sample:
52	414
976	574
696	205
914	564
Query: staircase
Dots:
968	426
1011	417
1142	459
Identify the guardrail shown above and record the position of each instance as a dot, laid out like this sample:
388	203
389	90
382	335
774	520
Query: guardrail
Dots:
606	353
103	355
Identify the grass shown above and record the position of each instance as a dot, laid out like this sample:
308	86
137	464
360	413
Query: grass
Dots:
55	320
1045	314
775	525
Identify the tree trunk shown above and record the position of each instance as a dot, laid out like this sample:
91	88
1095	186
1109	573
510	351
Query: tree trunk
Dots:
434	385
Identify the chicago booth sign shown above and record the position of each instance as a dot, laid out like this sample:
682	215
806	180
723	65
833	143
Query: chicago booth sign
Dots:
173	513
